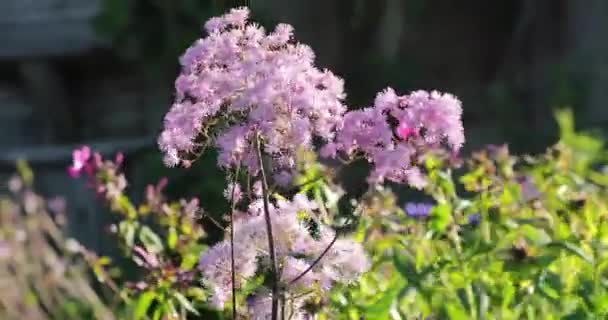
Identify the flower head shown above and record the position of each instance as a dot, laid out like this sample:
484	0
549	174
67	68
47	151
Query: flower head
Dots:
80	158
296	250
396	132
418	210
240	84
474	219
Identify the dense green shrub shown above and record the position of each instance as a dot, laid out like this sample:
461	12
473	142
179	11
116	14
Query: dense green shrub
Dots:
526	238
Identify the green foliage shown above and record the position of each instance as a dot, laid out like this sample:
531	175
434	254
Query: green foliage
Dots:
537	252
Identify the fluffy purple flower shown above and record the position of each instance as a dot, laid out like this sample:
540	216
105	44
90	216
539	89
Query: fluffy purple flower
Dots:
296	250
259	306
293	267
396	131
215	265
240	83
233	192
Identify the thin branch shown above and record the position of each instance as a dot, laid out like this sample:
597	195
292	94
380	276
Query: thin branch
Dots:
314	263
325	251
283	309
215	222
273	258
232	268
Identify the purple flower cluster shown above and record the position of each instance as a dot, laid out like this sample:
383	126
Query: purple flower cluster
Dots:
418	210
296	250
244	90
239	83
397	130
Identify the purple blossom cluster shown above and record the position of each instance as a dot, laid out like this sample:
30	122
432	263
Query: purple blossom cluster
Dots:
239	84
249	92
296	251
397	131
418	210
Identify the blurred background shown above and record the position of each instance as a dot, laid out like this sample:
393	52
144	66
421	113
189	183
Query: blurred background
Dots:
101	72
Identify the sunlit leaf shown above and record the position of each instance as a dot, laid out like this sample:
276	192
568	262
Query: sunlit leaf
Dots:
143	304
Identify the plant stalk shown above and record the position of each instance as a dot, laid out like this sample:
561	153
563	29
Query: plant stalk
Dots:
271	248
232	268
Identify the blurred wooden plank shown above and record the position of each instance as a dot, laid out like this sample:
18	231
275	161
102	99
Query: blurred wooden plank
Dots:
48	95
15	117
61	154
34	28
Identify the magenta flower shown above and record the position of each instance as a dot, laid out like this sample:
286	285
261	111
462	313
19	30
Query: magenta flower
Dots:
404	131
80	157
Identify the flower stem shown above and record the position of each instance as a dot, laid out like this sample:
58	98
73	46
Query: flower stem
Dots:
232	269
273	258
314	263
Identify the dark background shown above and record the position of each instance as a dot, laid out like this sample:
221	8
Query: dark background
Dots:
101	72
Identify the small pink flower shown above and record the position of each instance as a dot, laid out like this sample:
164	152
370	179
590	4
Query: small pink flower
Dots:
404	131
145	258
80	157
119	159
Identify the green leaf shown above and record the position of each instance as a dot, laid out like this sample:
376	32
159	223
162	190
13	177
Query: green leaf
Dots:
126	229
565	121
572	248
25	172
508	293
441	216
143	304
172	238
183	301
381	308
196	293
456	312
536	235
151	240
545	286
406	269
